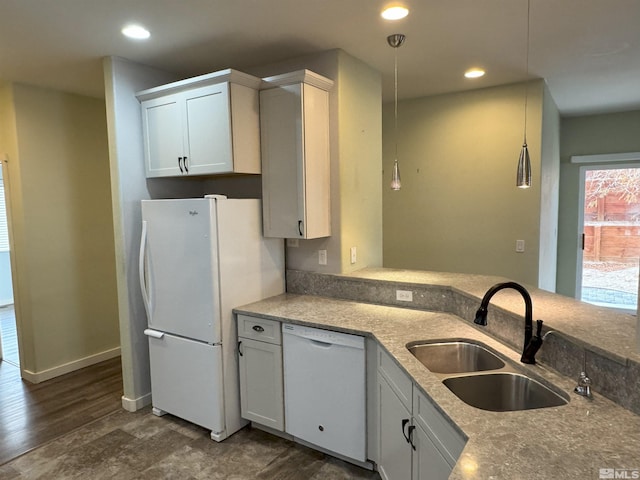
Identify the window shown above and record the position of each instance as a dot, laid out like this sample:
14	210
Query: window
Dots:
4	231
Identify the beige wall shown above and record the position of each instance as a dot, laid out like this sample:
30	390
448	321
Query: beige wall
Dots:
360	147
549	193
128	186
61	224
459	209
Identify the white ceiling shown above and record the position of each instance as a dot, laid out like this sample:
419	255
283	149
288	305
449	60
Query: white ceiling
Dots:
587	50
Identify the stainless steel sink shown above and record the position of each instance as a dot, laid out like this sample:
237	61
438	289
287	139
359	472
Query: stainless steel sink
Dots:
480	378
503	392
455	357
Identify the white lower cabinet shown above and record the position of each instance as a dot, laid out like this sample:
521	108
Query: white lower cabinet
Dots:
416	442
408	437
428	463
260	363
395	453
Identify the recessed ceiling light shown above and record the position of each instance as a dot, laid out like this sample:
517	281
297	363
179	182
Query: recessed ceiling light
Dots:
394	13
474	73
137	32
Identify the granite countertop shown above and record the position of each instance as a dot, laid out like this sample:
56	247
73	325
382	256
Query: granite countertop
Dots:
572	441
602	329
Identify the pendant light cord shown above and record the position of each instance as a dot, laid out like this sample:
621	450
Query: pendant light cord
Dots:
526	84
395	111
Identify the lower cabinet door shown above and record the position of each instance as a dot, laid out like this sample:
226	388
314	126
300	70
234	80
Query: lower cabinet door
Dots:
428	462
261	386
395	451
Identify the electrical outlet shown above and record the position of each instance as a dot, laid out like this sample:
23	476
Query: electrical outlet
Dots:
404	295
322	257
354	256
292	242
519	246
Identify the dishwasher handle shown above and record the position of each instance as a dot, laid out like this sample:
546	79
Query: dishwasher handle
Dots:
323	338
320	344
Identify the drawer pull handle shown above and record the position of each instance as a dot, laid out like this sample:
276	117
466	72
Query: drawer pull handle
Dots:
258	328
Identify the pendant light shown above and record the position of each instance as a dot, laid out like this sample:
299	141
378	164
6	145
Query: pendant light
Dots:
523	177
395	41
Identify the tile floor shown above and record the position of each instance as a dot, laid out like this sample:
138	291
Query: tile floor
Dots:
140	445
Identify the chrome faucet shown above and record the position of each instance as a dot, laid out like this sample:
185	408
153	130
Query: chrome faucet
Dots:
584	382
531	343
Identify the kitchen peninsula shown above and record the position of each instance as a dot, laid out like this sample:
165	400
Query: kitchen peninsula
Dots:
572	441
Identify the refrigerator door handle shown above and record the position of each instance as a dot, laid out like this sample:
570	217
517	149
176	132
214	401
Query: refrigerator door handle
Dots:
142	271
153	333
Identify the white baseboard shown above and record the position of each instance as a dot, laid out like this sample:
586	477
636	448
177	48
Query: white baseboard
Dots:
135	404
38	377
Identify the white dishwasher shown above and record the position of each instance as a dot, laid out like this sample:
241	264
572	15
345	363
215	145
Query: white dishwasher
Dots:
324	389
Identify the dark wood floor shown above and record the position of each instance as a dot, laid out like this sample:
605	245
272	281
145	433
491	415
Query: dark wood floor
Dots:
31	415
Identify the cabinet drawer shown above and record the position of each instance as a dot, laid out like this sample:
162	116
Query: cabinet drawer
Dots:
449	440
260	329
398	380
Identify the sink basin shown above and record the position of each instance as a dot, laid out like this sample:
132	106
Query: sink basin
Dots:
455	357
503	392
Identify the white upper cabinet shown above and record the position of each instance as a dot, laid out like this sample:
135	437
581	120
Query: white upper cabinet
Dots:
294	122
202	126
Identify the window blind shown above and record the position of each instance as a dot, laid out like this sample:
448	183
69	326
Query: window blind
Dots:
4	231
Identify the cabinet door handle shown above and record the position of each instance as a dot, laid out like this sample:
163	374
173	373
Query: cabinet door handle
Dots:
410	439
300	228
258	328
240	351
404	434
180	164
184	162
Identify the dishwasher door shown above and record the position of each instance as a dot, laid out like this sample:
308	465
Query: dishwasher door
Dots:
324	389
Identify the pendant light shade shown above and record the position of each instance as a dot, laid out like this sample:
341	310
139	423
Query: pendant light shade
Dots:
523	177
395	41
395	176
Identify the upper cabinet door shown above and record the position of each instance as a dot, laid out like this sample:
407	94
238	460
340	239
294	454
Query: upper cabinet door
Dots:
294	121
202	126
208	130
282	157
162	130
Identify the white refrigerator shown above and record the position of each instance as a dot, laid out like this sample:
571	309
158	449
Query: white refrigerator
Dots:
200	258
